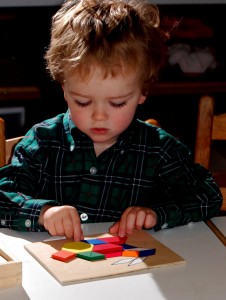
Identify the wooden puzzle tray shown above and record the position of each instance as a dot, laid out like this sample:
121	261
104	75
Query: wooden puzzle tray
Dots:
80	270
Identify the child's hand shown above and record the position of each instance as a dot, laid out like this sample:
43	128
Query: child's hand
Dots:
62	221
134	217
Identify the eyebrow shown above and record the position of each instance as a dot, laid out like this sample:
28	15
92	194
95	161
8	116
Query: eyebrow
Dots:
110	98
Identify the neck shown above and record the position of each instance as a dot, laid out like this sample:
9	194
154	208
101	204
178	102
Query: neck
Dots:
100	147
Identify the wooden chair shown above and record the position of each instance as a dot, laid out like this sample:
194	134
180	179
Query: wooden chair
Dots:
210	127
6	145
153	122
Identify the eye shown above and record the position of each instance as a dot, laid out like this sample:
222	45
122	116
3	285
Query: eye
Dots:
82	104
118	105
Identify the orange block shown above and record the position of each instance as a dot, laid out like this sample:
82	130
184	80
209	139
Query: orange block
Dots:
131	253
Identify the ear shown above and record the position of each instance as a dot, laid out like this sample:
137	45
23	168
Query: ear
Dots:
142	99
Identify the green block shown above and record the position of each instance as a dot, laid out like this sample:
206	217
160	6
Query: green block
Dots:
90	255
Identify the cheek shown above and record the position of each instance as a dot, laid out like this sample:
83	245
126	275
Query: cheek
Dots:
78	117
123	119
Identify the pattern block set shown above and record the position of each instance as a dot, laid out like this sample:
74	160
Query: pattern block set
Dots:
101	248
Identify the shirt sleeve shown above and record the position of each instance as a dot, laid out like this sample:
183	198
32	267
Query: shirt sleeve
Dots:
186	191
19	211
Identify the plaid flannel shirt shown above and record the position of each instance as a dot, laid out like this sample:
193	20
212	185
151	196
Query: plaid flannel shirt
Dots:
55	164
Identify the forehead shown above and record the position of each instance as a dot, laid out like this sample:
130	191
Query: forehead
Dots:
88	69
96	75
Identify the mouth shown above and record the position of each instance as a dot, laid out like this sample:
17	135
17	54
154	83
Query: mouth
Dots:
99	130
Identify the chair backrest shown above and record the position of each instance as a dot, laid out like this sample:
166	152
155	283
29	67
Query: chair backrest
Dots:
6	145
153	122
2	142
210	127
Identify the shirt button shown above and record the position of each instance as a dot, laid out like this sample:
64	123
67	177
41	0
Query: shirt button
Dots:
164	226
122	152
93	170
84	217
28	223
3	222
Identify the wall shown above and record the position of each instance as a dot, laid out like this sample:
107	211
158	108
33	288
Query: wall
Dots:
11	3
24	35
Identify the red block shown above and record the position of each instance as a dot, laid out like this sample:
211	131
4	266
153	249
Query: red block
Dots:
107	248
114	240
63	255
113	254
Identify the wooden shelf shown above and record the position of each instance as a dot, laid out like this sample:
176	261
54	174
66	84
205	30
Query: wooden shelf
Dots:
202	88
19	93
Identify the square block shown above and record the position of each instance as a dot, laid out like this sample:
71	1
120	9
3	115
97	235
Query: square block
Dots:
90	255
63	255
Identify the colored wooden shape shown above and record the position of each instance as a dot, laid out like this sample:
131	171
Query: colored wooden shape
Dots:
126	246
147	252
107	248
130	253
80	270
90	255
113	254
77	247
95	242
115	240
63	255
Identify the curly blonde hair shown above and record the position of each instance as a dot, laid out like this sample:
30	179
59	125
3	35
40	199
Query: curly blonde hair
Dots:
114	35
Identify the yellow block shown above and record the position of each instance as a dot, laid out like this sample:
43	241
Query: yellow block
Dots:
77	247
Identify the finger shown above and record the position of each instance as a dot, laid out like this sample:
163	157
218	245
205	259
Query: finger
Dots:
150	220
81	235
76	225
114	228
51	229
131	221
122	228
68	228
59	227
140	219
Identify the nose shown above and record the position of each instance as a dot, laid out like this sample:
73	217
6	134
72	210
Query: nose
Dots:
99	113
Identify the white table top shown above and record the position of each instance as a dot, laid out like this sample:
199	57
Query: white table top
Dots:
202	277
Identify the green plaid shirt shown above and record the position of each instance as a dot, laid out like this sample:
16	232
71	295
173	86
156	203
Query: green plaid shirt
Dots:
55	164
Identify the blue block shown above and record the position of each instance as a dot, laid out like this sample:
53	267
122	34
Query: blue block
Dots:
147	252
95	242
126	246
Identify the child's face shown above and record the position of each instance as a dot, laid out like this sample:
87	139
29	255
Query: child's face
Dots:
103	108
